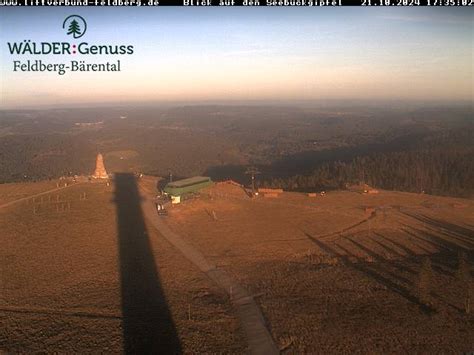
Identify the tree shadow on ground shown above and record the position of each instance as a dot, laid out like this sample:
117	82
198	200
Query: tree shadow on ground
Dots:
451	230
148	327
374	270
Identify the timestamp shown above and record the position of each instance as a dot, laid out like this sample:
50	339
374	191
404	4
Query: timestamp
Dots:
417	2
391	2
450	2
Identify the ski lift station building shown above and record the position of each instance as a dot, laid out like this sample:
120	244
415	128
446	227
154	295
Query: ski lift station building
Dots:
178	188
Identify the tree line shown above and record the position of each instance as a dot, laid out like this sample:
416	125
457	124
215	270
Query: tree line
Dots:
442	166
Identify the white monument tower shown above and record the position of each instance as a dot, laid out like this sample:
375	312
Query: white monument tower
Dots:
100	172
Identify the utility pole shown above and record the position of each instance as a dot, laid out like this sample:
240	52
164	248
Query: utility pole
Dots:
171	176
252	171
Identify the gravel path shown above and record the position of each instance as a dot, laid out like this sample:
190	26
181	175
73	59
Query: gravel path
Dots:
251	319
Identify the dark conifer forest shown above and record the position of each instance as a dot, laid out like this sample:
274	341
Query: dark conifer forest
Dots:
443	165
305	148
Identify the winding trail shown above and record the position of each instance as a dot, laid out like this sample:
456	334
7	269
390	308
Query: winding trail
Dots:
346	229
259	339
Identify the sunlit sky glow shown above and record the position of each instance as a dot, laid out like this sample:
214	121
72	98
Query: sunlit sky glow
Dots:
248	54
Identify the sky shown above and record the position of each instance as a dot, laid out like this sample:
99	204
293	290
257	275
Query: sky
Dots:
222	53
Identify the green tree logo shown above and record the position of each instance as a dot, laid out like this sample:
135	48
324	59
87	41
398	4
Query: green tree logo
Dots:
74	29
76	26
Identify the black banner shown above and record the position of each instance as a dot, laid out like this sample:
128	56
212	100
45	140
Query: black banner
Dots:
247	3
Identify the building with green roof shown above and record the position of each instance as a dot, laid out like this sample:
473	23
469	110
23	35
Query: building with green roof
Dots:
186	186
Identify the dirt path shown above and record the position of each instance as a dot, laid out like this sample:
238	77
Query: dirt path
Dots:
61	312
8	204
252	321
346	229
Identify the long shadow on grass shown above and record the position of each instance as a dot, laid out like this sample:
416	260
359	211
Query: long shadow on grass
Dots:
457	234
372	271
148	327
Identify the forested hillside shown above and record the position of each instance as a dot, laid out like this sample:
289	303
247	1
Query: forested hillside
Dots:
31	157
440	165
298	148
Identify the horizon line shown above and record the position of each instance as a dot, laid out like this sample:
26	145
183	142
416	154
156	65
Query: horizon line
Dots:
242	102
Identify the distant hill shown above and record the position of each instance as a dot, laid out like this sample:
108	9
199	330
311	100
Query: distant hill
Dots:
285	142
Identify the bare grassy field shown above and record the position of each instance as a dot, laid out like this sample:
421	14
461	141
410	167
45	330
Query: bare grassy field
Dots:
343	272
62	279
15	191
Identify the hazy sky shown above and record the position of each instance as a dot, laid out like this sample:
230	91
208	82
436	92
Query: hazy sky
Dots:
248	54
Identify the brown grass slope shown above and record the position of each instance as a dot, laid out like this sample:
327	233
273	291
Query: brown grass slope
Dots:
61	280
331	277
